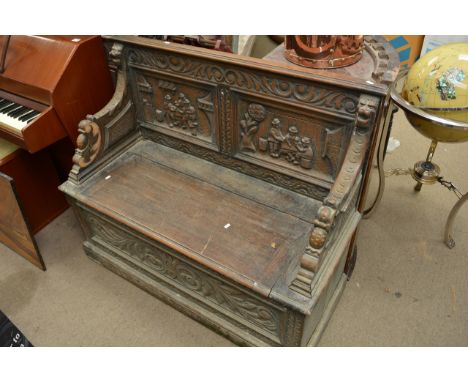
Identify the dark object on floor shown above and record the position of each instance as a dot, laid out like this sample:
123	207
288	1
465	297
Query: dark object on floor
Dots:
229	187
10	335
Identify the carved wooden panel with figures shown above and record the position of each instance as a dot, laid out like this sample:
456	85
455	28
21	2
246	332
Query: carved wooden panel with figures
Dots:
293	140
177	108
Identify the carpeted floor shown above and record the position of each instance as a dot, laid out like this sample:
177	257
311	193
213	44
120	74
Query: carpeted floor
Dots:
408	288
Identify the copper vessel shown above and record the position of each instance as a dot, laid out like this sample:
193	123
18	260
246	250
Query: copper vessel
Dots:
324	51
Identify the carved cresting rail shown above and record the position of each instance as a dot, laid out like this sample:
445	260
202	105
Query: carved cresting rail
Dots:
285	152
330	208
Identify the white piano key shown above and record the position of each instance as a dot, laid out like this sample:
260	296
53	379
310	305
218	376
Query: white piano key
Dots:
12	122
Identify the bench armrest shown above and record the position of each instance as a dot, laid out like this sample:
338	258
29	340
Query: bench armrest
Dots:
100	132
341	191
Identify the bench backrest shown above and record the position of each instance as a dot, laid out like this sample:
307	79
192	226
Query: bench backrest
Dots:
291	127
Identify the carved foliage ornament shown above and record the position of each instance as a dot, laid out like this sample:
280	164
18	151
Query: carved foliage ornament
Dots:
188	277
88	143
249	126
245	79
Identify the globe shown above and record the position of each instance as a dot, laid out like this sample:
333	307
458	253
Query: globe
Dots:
438	82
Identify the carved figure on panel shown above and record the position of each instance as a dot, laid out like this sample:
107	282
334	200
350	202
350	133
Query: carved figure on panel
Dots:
179	112
294	148
249	126
275	138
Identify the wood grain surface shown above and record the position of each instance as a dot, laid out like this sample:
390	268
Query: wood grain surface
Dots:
229	230
14	229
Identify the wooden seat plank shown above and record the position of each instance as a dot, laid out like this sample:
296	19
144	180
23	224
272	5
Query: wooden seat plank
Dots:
248	238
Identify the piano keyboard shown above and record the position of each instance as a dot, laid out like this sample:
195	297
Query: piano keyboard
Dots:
15	115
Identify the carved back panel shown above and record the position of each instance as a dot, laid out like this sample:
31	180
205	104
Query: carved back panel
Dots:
273	124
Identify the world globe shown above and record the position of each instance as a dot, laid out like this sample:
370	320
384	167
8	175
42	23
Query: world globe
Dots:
438	82
434	98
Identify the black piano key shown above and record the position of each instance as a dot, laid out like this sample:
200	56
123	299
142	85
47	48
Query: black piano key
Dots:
34	115
24	112
8	104
26	116
18	112
8	108
14	110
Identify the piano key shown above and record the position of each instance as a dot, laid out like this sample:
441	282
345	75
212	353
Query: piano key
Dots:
34	115
8	108
15	115
13	110
26	116
11	122
24	113
8	104
19	112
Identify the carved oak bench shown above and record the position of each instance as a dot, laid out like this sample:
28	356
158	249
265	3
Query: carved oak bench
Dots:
228	187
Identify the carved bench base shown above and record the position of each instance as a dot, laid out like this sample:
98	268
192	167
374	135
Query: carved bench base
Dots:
242	315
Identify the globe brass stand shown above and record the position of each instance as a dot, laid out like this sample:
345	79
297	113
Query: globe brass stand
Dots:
425	172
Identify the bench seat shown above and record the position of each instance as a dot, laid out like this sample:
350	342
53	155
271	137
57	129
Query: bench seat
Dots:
231	223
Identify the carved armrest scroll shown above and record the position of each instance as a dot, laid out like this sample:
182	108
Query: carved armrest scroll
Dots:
100	130
88	143
343	186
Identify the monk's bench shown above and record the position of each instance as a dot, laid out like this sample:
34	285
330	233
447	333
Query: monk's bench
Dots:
228	187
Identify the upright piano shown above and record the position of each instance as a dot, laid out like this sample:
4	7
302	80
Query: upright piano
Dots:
49	84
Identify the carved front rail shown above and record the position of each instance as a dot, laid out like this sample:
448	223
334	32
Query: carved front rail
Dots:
101	131
343	186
